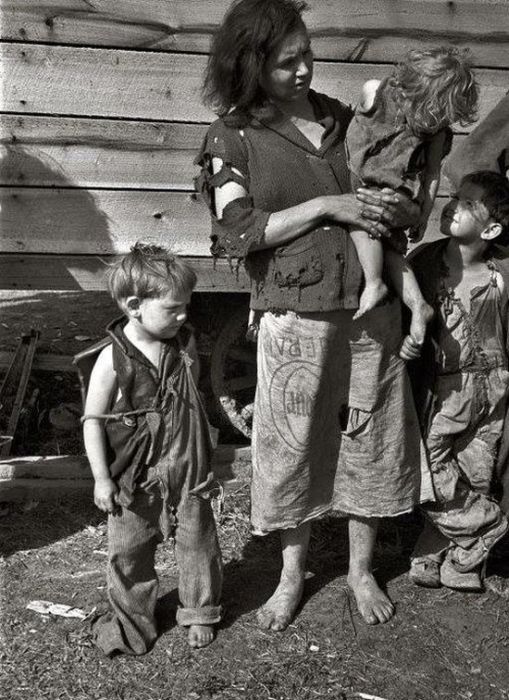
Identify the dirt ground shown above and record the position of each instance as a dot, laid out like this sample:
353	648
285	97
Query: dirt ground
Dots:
441	645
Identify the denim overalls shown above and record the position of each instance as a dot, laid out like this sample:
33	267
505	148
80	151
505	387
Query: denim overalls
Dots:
160	458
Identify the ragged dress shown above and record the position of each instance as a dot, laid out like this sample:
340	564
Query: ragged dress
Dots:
308	393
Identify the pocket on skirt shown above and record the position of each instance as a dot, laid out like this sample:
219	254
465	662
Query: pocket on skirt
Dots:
364	389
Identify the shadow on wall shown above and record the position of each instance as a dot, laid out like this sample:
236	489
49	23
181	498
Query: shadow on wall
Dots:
53	217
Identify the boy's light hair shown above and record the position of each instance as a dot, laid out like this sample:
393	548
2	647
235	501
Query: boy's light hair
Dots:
495	198
149	271
436	88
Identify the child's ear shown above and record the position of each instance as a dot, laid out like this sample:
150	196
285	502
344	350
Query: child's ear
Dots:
491	231
132	306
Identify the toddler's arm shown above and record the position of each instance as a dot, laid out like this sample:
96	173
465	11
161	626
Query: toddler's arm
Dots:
100	392
407	287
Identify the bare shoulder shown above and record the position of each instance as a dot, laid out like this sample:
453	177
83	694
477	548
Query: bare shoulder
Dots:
368	94
103	368
103	383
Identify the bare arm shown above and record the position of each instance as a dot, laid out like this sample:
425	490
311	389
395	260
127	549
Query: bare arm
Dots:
101	388
365	213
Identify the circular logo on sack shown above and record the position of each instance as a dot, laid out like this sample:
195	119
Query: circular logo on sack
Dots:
292	393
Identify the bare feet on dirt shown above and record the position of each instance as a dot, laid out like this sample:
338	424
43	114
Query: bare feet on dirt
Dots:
372	603
373	294
200	636
279	610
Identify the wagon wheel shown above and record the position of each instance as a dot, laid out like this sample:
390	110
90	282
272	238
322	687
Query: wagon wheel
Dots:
233	372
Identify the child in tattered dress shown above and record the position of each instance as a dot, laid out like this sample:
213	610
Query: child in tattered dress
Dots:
147	439
462	382
397	139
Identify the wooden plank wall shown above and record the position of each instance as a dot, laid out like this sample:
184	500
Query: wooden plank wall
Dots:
102	117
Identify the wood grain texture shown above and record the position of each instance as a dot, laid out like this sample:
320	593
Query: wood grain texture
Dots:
87	272
158	86
92	153
67	271
353	30
94	222
62	151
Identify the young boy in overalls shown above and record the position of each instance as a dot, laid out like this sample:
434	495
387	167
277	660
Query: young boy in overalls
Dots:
147	439
462	383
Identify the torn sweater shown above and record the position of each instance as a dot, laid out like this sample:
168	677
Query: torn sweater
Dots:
279	168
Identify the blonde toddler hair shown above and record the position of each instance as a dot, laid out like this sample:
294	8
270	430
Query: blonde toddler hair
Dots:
436	87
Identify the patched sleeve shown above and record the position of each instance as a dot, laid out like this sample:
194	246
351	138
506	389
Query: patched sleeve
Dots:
242	224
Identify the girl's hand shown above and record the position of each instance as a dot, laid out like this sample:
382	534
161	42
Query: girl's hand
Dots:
395	209
105	495
410	349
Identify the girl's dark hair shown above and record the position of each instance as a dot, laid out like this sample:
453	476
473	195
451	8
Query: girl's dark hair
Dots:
495	198
251	30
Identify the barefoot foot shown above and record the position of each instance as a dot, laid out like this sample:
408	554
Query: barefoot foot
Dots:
279	610
374	606
200	636
374	292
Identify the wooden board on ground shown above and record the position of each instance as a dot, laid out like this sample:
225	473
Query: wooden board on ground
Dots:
39	478
356	30
42	362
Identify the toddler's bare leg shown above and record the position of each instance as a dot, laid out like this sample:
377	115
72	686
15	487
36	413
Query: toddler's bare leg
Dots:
407	287
279	610
371	258
373	604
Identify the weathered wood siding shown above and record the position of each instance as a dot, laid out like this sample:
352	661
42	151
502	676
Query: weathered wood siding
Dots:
101	116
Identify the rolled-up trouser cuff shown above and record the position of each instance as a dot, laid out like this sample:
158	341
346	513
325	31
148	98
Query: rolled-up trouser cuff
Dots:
208	615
